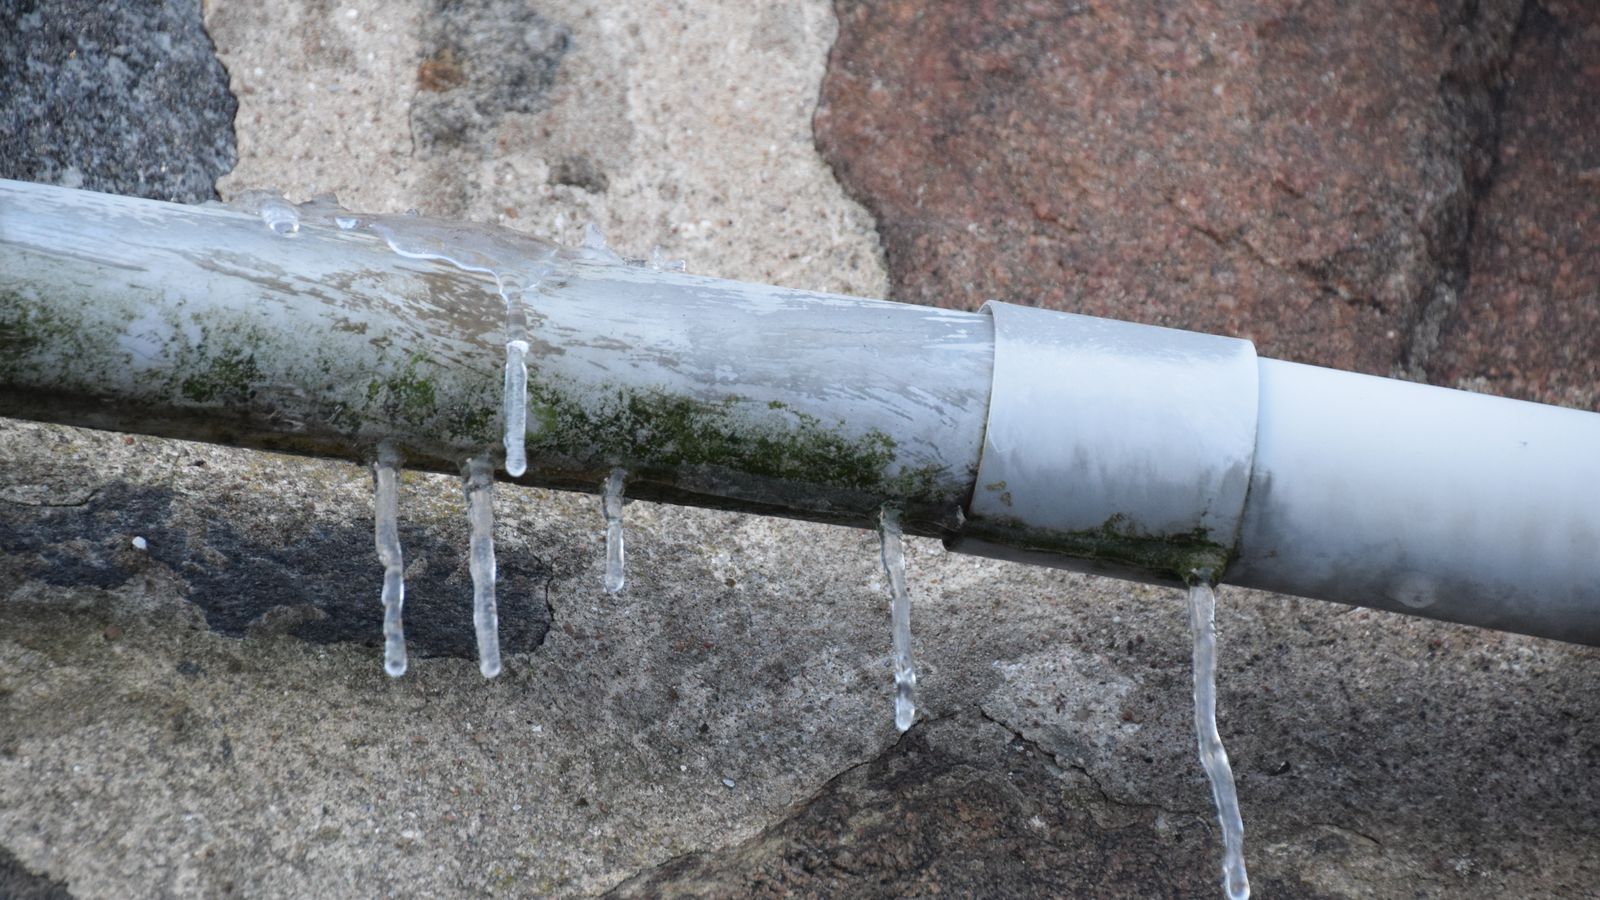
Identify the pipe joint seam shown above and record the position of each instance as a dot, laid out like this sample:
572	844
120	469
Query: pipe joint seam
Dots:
1113	447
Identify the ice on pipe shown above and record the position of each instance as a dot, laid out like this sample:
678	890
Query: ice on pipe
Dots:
386	528
892	542
594	246
516	263
660	263
478	482
611	506
1213	757
516	406
278	214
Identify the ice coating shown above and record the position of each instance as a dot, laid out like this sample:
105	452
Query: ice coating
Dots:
594	246
1213	757
515	262
278	214
280	217
611	506
478	482
894	566
660	263
386	528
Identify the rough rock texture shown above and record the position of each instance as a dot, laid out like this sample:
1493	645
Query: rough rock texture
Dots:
17	883
208	715
1297	173
1528	324
122	97
1376	755
683	124
957	807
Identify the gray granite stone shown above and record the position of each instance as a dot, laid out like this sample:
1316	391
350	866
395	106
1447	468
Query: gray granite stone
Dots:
124	97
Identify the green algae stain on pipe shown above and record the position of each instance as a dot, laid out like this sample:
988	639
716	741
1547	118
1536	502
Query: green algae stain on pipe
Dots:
663	436
1111	549
227	380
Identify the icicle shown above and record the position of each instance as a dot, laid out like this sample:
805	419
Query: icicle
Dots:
894	565
611	505
478	480
386	502
516	399
1213	757
516	263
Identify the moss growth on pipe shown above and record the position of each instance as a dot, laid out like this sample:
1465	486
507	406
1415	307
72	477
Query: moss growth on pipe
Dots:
1113	547
228	379
662	435
33	326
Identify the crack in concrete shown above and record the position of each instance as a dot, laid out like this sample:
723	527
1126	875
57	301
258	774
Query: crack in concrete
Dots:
795	810
1347	830
1094	783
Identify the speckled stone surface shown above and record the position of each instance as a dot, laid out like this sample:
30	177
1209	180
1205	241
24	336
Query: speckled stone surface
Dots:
124	97
1300	174
1528	322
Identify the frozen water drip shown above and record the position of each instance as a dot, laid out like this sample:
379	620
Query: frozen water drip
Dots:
659	262
516	402
280	216
611	506
478	481
386	528
894	566
1213	757
515	265
594	246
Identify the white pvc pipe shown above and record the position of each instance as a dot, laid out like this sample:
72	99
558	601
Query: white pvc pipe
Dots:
206	323
1123	447
1425	500
1128	449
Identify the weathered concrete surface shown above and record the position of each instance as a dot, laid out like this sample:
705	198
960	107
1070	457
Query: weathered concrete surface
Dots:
145	750
209	716
683	124
1528	322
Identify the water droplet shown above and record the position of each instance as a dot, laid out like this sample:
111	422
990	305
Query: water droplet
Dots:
280	216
